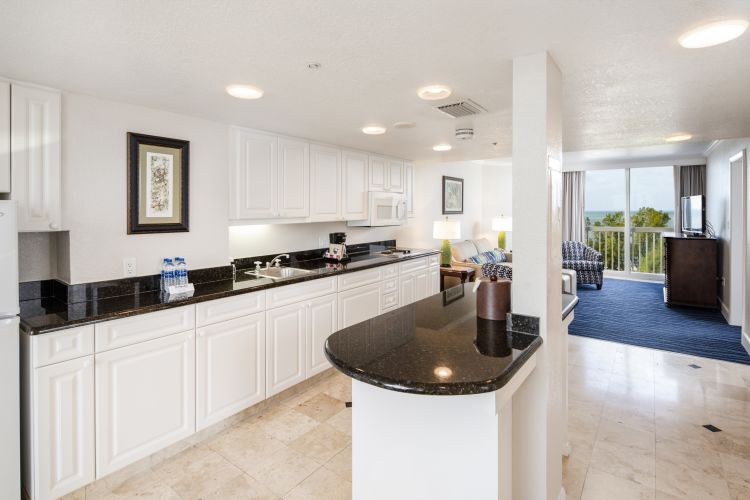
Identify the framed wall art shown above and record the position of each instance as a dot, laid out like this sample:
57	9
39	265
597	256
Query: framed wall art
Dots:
158	184
453	195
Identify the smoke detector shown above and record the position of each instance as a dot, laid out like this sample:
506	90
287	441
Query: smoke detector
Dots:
465	133
467	107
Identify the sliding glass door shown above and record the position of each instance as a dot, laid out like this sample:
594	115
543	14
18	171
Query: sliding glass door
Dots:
631	245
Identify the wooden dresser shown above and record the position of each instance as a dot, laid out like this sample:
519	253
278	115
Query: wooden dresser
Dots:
690	270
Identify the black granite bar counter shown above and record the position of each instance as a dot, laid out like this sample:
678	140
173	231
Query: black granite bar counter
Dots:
435	346
50	313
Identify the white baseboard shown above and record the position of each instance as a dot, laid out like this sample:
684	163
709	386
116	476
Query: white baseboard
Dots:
724	310
746	341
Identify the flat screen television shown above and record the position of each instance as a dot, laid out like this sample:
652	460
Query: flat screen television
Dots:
694	214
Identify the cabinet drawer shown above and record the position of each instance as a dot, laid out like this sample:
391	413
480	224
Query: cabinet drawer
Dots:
360	278
68	344
390	271
434	260
390	300
122	332
214	311
289	294
413	265
389	285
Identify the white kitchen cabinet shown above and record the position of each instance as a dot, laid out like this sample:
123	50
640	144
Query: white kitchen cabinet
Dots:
359	304
230	368
35	159
62	459
286	332
378	173
409	189
407	289
145	399
4	137
434	280
422	286
326	184
395	182
294	178
254	175
355	186
322	318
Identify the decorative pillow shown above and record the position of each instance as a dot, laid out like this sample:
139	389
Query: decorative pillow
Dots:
500	255
484	258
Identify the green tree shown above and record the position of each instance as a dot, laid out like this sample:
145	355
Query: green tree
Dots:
650	217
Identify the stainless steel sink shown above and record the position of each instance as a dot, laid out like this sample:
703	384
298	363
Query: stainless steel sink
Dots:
279	273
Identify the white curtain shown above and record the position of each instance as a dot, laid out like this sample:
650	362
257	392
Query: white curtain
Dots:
573	221
689	180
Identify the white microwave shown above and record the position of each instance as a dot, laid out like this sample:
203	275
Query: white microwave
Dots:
385	209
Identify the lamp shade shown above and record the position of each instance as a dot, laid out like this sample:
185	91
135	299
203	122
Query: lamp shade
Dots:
446	230
502	223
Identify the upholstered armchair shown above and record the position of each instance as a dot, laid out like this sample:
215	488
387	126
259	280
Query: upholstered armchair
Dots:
585	261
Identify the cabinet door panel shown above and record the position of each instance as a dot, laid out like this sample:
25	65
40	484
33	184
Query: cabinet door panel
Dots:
4	137
407	289
230	368
294	178
325	183
35	158
409	189
254	189
355	188
285	347
321	322
422	285
64	443
359	304
378	173
434	286
145	399
395	177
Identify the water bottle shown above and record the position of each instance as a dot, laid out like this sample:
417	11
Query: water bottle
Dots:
167	274
181	271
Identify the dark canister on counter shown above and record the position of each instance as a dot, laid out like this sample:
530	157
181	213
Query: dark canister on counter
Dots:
493	298
493	338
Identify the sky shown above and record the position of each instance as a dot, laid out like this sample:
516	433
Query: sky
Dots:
649	187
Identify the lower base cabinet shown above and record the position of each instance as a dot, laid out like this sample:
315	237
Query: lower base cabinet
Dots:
322	316
418	285
230	368
359	304
145	399
63	434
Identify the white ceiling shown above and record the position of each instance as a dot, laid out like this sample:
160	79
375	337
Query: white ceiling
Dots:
626	81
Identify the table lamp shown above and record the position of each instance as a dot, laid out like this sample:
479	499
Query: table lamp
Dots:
446	230
502	224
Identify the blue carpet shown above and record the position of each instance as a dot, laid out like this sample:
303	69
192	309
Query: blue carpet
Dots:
633	312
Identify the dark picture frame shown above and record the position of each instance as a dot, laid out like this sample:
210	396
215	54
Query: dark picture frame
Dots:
158	184
453	195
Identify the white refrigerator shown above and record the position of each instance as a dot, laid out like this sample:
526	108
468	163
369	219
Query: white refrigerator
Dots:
10	425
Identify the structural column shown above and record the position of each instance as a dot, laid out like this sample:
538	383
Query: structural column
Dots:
537	265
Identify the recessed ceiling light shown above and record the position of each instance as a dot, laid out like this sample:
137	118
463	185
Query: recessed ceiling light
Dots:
678	137
442	147
245	91
404	125
373	129
712	34
434	92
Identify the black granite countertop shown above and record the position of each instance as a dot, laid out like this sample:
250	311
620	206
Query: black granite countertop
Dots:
435	346
48	314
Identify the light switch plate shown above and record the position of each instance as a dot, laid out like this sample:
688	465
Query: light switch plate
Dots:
128	267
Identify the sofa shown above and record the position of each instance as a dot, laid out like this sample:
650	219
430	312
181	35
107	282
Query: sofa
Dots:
464	254
585	261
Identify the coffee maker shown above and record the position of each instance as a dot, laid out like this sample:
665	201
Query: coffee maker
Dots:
336	247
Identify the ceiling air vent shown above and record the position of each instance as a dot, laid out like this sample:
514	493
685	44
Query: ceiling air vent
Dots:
462	108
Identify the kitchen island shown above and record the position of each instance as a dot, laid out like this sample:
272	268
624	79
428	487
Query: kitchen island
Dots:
432	398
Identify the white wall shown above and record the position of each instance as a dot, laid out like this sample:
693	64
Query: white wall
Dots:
487	193
718	210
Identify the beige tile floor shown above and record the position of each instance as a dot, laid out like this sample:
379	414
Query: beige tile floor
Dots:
635	430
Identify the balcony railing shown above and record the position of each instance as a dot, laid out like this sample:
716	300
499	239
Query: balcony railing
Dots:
646	247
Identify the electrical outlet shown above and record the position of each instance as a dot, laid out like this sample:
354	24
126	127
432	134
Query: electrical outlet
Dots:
128	267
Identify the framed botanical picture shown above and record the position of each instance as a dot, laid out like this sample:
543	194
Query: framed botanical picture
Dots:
453	195
158	187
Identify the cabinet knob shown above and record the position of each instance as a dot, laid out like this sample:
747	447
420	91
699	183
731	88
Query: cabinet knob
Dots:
53	225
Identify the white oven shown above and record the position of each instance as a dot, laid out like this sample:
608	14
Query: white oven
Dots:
385	209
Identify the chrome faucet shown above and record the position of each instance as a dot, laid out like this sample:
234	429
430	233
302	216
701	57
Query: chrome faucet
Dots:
276	261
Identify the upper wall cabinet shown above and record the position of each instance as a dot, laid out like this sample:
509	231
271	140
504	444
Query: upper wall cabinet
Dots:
386	174
325	183
409	188
35	159
4	137
354	191
270	176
